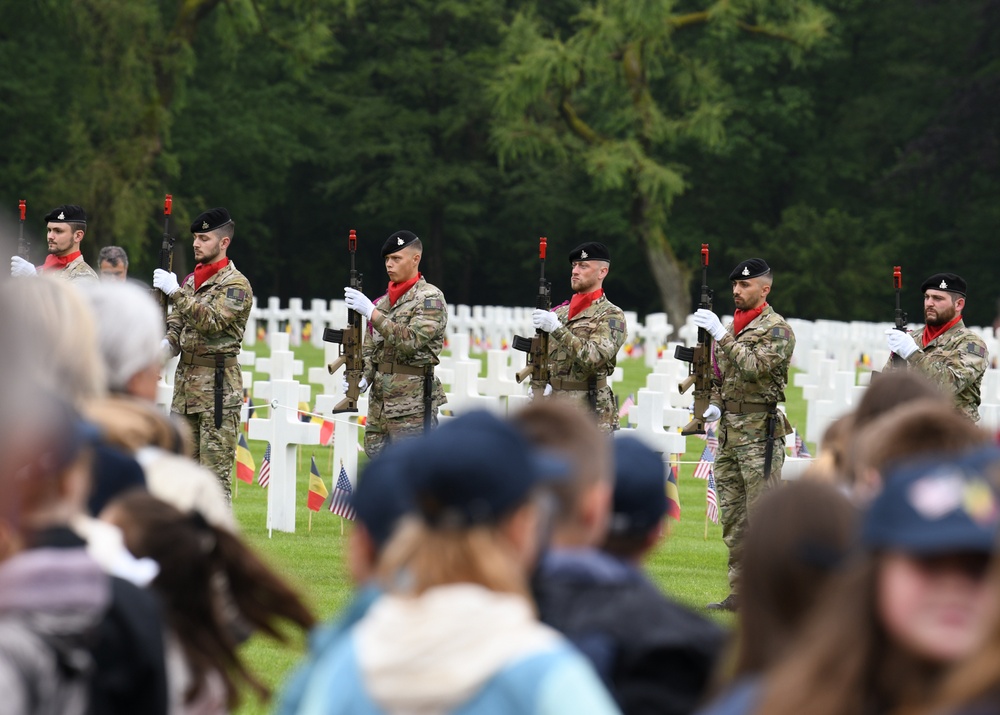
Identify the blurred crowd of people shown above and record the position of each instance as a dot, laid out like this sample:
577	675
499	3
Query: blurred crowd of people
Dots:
498	564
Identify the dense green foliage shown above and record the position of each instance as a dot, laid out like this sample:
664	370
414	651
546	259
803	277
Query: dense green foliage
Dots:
833	137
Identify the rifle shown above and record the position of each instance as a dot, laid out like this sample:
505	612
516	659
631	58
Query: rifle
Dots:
22	244
699	358
166	250
537	347
897	283
349	340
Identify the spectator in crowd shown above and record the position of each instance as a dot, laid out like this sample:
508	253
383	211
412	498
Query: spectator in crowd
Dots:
663	654
112	262
215	593
72	638
909	606
456	630
130	330
798	538
381	500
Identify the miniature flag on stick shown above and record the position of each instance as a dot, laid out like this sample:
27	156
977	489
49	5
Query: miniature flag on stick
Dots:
704	468
712	503
626	407
264	477
245	467
673	496
317	488
340	501
801	450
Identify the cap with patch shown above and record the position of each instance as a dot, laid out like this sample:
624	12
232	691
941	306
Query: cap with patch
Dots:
383	494
750	268
211	220
475	469
640	499
70	213
398	241
945	281
939	505
592	251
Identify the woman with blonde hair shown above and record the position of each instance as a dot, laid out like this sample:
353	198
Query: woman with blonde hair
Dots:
456	631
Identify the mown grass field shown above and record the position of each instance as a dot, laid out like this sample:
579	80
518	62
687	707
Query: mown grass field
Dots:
688	565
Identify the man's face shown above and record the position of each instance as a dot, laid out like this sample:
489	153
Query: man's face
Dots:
208	247
62	239
587	276
941	307
110	272
402	265
749	293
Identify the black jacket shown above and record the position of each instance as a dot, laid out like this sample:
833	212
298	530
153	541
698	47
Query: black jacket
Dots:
654	655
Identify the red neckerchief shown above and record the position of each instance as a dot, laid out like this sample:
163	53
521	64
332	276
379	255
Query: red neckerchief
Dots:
581	301
931	333
57	263
742	318
396	290
203	272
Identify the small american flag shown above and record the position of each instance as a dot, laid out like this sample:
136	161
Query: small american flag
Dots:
704	468
340	500
264	476
712	440
712	499
801	450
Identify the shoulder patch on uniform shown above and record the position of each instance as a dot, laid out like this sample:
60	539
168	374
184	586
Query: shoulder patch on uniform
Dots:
237	295
434	303
979	350
616	324
783	333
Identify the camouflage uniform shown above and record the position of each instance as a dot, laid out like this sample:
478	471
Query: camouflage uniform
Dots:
955	361
77	269
204	324
751	371
409	334
587	347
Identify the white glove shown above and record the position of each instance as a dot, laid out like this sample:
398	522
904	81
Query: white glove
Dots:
706	319
545	320
362	385
166	349
900	343
165	281
20	268
545	393
356	300
712	414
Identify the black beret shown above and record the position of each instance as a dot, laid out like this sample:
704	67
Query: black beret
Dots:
945	281
398	241
68	213
211	220
591	251
750	268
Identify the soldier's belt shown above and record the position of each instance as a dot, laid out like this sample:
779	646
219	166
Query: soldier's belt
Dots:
560	384
391	368
192	359
741	408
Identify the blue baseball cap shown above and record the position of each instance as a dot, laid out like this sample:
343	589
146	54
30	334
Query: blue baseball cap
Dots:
477	468
640	499
383	495
938	505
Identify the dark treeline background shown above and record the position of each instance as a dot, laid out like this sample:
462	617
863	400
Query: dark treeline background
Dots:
834	138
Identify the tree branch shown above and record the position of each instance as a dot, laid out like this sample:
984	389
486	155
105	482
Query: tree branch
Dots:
576	125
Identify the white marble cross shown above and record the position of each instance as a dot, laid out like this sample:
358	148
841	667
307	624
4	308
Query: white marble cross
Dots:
284	431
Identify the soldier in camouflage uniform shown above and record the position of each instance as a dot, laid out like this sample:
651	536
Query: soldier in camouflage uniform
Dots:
750	360
943	349
406	329
585	336
206	323
66	227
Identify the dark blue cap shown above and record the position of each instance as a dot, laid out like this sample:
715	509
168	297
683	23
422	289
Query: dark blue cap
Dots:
383	495
941	504
640	500
750	268
211	220
398	241
475	469
68	213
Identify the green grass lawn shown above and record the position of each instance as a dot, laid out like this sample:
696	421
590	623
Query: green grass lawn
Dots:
687	565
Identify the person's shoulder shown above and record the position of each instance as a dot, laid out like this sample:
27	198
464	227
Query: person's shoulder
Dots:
233	276
428	290
775	325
